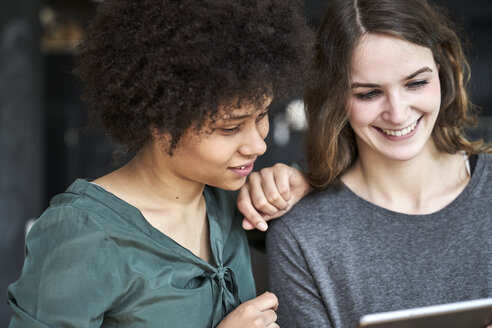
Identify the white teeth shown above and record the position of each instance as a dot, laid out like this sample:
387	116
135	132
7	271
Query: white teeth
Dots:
402	132
242	167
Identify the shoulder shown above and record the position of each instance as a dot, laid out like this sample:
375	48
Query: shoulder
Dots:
74	202
483	168
67	239
320	204
481	180
486	159
69	253
74	217
316	210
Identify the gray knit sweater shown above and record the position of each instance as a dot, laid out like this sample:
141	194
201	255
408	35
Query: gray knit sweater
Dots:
335	256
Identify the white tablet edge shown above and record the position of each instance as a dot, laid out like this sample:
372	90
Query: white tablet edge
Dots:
423	311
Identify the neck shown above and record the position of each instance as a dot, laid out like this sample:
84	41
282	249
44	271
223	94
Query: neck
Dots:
171	203
151	169
423	184
148	182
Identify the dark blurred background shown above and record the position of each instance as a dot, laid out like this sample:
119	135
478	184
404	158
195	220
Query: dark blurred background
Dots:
42	139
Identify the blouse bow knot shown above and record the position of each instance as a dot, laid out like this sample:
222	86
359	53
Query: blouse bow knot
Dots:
227	298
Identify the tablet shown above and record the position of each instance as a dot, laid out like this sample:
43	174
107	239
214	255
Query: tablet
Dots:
468	314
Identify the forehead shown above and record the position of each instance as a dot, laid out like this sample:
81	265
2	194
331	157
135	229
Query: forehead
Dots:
241	111
378	56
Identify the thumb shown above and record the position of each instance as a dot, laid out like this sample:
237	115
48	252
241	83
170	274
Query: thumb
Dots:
265	301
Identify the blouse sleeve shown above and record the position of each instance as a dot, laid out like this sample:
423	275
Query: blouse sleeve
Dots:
70	276
300	303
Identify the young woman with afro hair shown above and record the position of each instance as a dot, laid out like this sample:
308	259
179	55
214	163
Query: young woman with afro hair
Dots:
185	86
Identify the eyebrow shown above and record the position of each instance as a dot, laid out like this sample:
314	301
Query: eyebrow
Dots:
422	70
235	117
411	76
232	117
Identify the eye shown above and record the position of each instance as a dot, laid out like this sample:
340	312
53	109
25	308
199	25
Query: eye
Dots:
368	95
262	116
415	85
230	130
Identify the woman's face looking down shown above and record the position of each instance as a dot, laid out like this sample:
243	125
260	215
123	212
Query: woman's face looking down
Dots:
395	97
223	152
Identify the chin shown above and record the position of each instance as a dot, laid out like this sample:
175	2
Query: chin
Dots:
404	155
231	185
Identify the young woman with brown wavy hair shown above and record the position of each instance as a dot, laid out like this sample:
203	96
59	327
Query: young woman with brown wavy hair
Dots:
326	98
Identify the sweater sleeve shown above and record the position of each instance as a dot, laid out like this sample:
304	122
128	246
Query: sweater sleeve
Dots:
70	276
300	303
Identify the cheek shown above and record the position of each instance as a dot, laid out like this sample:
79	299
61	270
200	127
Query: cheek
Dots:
429	100
263	127
205	151
362	114
434	96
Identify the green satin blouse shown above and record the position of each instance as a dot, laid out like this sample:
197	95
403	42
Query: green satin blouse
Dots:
94	261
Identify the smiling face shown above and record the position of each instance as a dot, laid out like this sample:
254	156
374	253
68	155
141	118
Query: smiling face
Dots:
395	97
223	152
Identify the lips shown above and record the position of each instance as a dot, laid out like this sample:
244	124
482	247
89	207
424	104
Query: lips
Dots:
401	132
243	170
244	165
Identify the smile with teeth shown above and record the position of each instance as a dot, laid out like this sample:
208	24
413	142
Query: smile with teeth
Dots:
243	170
242	167
402	132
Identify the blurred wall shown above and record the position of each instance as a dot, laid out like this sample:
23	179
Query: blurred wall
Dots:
21	135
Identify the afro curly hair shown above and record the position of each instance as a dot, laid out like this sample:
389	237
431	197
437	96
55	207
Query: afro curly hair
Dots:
172	64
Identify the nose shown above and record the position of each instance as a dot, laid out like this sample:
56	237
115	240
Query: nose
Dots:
254	142
396	109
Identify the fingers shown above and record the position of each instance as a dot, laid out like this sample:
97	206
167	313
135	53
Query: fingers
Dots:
247	225
298	185
277	188
264	192
258	312
267	318
269	194
276	184
253	219
265	301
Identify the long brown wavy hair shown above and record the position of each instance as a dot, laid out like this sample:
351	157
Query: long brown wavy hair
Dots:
330	141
